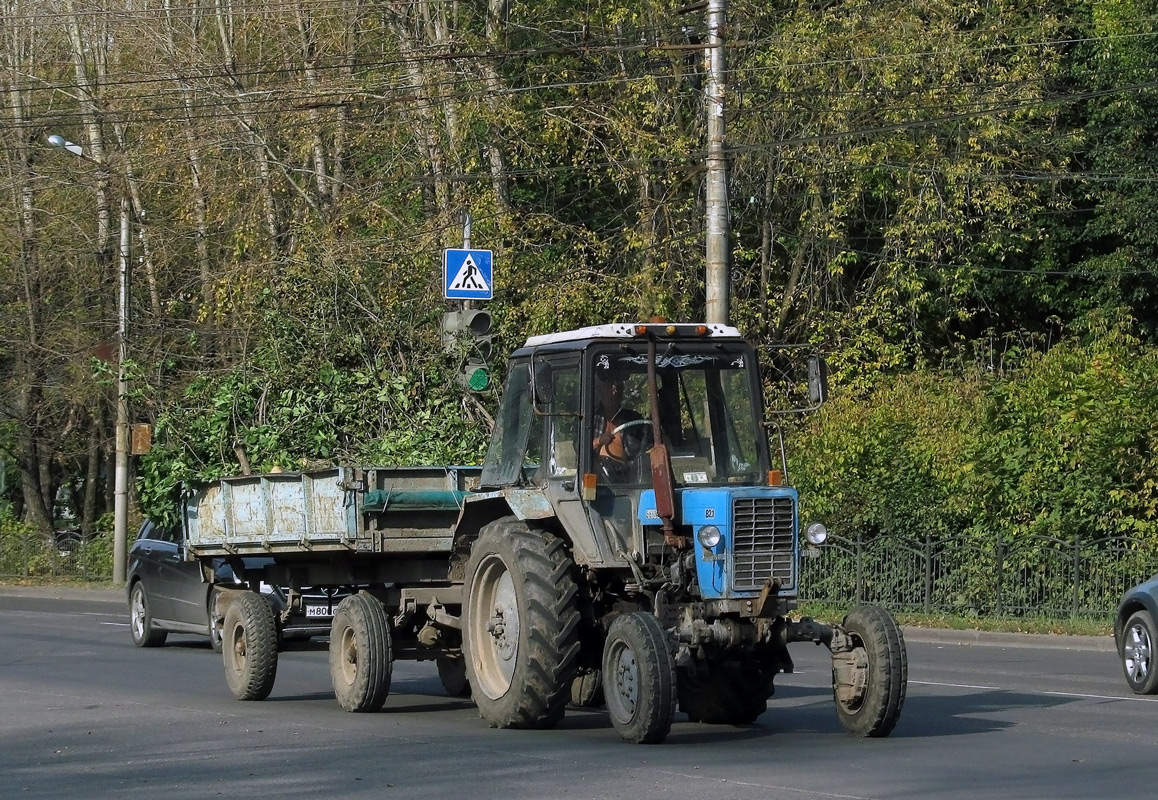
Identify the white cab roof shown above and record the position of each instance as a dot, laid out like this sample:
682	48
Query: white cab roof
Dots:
627	331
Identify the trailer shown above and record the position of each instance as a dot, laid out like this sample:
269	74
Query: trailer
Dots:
627	542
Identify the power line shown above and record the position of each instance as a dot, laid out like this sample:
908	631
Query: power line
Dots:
443	52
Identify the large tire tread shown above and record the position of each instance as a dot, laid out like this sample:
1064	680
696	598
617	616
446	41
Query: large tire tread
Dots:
731	694
548	646
888	673
249	647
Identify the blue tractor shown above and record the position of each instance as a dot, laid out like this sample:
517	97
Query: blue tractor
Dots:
633	542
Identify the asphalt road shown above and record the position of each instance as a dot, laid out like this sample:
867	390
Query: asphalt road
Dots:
85	714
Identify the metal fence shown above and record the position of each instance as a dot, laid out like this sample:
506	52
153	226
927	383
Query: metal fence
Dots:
1032	577
30	555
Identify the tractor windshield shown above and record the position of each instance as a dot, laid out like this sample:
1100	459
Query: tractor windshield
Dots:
707	417
513	447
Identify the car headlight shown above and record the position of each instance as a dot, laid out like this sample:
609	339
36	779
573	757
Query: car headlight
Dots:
709	536
816	533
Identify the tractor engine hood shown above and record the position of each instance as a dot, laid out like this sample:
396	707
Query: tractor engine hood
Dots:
743	537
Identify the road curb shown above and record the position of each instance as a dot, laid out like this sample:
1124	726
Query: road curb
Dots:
1050	641
115	596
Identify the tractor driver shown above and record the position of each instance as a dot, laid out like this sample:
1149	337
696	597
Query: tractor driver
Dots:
620	433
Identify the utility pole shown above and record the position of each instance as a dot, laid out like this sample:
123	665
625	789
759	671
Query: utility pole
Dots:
121	478
718	245
467	305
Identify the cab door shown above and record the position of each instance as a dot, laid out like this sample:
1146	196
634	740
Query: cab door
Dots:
559	402
612	509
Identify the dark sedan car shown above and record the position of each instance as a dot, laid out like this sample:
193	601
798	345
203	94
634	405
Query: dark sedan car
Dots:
167	594
1135	635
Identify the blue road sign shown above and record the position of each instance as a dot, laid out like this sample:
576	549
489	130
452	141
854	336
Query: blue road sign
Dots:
467	275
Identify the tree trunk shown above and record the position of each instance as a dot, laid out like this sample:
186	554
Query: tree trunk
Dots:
27	351
193	156
88	508
248	123
497	11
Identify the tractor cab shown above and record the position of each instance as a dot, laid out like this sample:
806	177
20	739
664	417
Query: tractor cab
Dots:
643	439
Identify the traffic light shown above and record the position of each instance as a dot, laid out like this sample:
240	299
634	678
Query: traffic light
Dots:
468	333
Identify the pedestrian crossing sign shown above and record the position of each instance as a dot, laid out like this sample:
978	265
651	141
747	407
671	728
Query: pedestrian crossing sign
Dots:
467	275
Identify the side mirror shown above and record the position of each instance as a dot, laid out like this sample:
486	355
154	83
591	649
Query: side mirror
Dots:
817	380
543	383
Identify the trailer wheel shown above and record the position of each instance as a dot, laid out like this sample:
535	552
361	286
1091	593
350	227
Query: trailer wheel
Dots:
141	621
870	699
361	657
452	673
730	694
249	647
520	625
639	679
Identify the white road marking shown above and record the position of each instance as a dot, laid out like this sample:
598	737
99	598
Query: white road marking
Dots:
957	685
1079	695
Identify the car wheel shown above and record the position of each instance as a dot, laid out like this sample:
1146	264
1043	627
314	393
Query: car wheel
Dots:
141	621
1138	640
216	620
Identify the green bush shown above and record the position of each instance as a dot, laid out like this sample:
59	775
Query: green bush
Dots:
898	461
1058	455
19	544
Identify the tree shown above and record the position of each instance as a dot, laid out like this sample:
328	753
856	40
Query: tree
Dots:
882	145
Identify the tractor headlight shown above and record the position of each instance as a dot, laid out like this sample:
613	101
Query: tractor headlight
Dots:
709	536
816	533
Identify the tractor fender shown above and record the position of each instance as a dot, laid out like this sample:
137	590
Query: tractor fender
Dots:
482	508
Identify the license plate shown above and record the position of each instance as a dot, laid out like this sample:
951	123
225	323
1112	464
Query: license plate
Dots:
314	612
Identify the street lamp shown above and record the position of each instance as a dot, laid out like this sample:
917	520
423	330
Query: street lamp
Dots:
121	479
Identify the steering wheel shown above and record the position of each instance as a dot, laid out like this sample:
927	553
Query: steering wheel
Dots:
609	465
630	424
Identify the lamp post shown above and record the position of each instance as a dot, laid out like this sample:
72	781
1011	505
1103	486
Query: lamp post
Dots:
121	477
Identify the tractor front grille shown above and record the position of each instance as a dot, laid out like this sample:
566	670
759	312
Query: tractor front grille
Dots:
764	547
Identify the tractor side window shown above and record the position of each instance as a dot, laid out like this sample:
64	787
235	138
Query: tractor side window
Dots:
620	431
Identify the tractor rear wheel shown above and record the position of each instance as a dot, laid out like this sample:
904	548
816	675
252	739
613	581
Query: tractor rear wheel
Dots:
520	625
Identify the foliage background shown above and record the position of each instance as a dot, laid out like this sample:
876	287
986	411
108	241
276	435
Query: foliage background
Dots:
954	201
